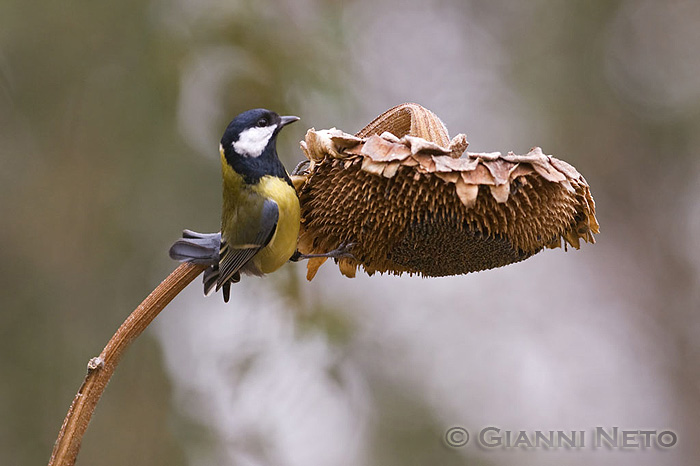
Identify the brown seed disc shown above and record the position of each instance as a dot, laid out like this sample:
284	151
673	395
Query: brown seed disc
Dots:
410	206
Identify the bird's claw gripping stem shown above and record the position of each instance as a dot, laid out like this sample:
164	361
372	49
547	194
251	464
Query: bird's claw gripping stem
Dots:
341	252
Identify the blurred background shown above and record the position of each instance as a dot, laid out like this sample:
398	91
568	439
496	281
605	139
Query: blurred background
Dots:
110	117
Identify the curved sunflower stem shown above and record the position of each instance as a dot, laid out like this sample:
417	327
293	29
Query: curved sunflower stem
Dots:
101	368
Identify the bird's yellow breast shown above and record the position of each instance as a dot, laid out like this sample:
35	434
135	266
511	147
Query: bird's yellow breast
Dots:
284	242
242	207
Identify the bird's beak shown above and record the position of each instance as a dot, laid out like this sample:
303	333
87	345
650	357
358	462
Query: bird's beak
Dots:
287	120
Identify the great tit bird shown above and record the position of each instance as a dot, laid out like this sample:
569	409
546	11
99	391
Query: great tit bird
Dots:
260	214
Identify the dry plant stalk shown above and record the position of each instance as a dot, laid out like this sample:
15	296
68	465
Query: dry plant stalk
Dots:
101	368
403	195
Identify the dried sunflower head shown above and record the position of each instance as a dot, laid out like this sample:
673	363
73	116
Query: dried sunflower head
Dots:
408	199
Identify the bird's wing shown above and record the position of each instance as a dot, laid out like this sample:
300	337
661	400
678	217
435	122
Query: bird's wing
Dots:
237	252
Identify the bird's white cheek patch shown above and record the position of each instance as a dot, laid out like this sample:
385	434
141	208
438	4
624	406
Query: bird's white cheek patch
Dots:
252	141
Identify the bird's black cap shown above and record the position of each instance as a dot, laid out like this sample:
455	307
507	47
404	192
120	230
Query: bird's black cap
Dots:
257	117
249	144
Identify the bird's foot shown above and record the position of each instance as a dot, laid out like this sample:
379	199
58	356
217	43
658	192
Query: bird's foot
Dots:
341	252
301	167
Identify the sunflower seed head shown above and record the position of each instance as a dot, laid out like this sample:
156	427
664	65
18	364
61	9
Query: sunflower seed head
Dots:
410	200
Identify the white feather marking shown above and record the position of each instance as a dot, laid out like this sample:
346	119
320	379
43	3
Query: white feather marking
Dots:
252	141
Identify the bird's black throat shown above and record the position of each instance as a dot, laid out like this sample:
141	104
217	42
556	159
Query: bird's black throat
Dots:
252	169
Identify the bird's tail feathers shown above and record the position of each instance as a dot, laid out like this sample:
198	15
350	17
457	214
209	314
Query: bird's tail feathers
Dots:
211	275
198	248
204	249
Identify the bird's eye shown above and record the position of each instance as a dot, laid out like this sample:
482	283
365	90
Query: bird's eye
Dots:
262	122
